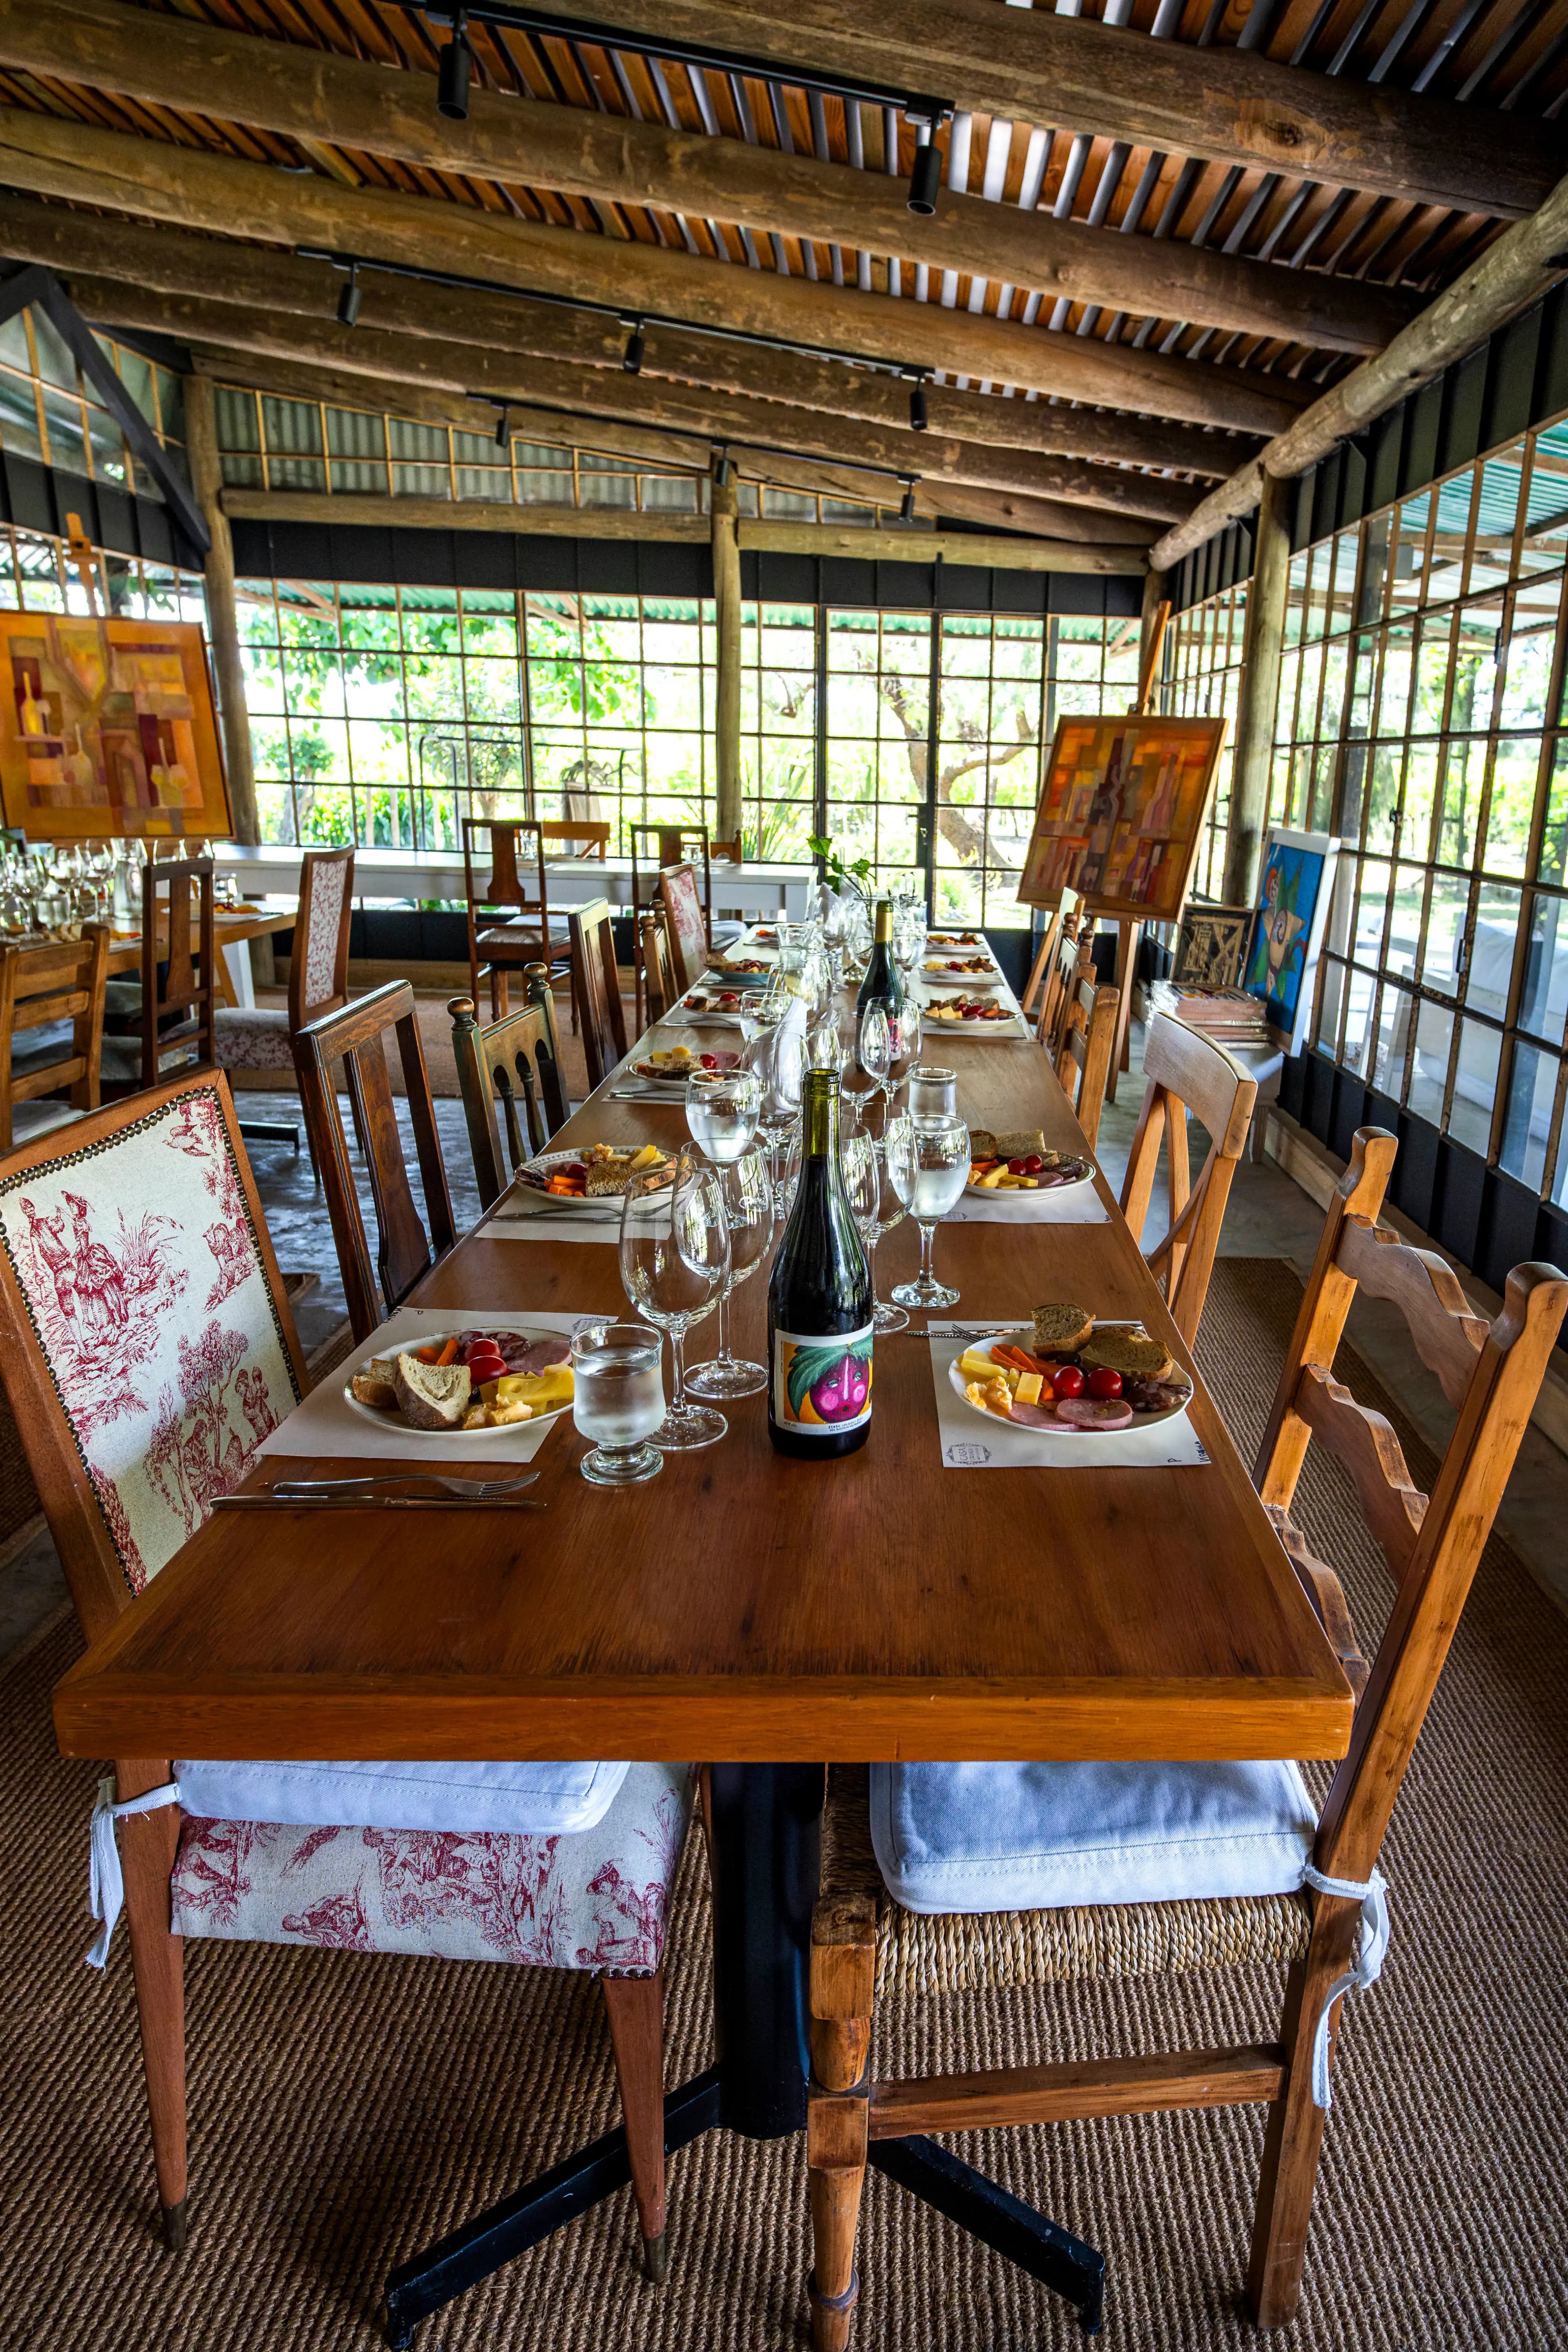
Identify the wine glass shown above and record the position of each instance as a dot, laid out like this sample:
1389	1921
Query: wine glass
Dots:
777	1056
618	1399
904	1042
876	1046
675	1259
721	1108
749	1208
929	1165
875	1207
823	1046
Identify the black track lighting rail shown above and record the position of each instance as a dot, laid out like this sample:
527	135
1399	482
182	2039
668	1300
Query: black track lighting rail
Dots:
722	452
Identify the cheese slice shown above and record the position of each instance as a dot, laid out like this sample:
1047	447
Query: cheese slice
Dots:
542	1390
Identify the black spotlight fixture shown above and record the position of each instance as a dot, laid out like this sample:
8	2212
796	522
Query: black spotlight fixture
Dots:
452	76
503	428
907	509
723	469
925	178
631	358
918	405
348	300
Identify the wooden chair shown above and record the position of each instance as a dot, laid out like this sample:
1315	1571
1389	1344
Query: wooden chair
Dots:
1044	957
516	886
574	837
597	989
677	844
261	1037
685	924
357	1037
516	1057
654	975
186	1431
1089	1040
51	1034
178	987
1328	1923
1182	1072
1073	958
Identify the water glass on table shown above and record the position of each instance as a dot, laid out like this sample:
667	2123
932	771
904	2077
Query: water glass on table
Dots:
933	1093
618	1399
675	1260
721	1107
749	1207
876	1208
929	1165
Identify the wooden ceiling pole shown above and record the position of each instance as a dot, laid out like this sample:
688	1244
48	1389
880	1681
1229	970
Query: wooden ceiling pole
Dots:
174	262
1511	274
1231	105
189	188
312	95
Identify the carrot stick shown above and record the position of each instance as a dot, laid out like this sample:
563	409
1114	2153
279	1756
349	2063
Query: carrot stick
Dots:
426	1355
448	1354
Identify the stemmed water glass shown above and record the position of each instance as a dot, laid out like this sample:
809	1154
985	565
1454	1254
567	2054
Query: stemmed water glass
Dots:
777	1056
675	1260
876	1208
618	1399
929	1165
904	1042
749	1208
876	1046
721	1108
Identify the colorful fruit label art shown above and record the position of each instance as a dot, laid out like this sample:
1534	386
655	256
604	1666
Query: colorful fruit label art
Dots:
822	1387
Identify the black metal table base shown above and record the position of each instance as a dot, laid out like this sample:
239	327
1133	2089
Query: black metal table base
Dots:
1000	2220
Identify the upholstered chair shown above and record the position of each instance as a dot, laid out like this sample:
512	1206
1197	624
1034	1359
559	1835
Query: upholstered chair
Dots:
261	1036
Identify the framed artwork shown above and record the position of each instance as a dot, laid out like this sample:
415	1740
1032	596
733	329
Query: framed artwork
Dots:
688	925
1287	924
1122	805
108	727
1210	946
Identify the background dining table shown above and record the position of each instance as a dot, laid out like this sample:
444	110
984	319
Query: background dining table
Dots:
765	1614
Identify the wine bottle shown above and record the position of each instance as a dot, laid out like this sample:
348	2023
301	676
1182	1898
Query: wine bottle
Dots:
820	1302
883	983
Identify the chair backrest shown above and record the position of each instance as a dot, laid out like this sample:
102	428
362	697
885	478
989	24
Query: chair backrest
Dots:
574	837
41	986
1089	1040
516	1059
357	1037
1185	1072
1491	1373
515	849
674	845
1074	957
176	1010
685	924
597	988
319	965
659	990
146	1345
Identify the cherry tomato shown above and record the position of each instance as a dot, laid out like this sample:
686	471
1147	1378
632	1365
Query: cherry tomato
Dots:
1104	1382
1033	1165
1069	1381
1017	1168
708	1060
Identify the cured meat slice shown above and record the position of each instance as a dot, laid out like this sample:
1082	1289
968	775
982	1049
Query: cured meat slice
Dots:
540	1354
1094	1413
1033	1416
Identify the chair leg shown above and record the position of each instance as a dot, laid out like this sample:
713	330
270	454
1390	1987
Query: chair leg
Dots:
147	1843
843	1982
635	2008
1294	2138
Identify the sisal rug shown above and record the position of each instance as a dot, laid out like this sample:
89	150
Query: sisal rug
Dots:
345	2109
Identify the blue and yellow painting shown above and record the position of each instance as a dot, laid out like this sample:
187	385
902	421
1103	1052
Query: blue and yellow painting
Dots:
1287	900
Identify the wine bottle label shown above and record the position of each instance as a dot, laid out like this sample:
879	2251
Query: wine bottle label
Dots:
822	1387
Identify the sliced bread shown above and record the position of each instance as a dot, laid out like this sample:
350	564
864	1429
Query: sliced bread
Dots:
1019	1143
983	1144
1061	1330
432	1396
375	1384
1128	1350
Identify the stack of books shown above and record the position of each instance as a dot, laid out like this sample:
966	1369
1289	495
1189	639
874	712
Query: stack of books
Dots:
1229	1015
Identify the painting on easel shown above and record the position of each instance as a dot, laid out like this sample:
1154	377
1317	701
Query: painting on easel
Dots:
107	729
1120	814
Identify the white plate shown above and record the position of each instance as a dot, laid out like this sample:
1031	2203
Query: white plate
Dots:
392	1419
1057	1428
1008	1026
991	977
950	940
564	1201
1022	1206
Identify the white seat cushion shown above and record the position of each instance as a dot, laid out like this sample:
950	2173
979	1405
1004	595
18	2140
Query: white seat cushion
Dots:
1040	1837
514	1800
599	1900
31	1120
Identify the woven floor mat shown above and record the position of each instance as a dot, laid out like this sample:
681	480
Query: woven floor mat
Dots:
347	2109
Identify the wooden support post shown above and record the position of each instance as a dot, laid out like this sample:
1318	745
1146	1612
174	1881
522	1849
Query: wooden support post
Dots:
1265	640
223	629
727	606
1152	642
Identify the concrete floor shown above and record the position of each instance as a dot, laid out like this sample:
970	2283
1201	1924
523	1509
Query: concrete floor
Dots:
1269	1215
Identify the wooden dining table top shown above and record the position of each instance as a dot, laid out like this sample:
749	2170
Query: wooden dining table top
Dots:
741	1604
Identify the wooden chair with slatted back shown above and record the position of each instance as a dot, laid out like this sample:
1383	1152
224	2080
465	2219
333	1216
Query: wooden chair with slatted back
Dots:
517	889
597	989
1045	959
178	982
510	1078
579	837
1074	959
51	1034
660	993
1327	1925
1089	1040
356	1036
1183	1071
677	844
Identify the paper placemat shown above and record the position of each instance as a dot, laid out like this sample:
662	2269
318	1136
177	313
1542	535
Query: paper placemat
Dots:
522	1214
1078	1204
326	1423
969	1442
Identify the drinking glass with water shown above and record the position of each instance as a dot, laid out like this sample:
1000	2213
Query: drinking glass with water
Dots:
721	1107
617	1400
929	1165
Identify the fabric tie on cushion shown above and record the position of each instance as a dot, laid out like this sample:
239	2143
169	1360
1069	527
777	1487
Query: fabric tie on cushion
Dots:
106	1887
1372	1893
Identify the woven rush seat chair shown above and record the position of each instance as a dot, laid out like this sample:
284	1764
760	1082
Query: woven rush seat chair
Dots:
147	1351
51	1034
957	1878
511	920
509	1073
261	1036
1185	1072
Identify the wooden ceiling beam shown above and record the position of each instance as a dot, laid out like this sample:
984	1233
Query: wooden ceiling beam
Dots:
1230	105
313	95
190	187
173	261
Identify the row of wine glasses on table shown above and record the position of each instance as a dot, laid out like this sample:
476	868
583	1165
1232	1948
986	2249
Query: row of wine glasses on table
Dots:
49	889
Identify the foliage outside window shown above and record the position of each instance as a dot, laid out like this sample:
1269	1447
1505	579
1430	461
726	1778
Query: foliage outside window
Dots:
1421	717
50	410
1202	680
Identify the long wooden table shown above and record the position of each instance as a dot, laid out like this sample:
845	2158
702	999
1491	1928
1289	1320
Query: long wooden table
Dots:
770	1613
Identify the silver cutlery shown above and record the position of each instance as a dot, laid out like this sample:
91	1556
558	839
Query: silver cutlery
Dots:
468	1490
270	1500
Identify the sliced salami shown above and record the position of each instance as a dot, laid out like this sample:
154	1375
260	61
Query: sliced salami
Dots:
1033	1416
543	1353
1094	1413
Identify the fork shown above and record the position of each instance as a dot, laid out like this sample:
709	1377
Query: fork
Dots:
467	1490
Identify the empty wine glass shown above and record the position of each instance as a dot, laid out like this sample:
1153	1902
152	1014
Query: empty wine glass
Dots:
823	1046
749	1208
618	1399
876	1046
903	1042
875	1207
721	1108
777	1056
675	1259
929	1165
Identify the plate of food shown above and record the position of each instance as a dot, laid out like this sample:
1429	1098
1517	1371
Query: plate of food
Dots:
600	1173
956	939
465	1383
1072	1374
671	1065
1018	1172
748	968
962	966
955	1010
715	1008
